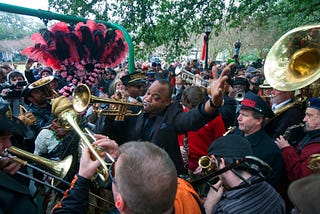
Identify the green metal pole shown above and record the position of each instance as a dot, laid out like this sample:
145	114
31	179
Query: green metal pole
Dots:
43	14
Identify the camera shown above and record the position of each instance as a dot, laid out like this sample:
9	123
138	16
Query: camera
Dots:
12	93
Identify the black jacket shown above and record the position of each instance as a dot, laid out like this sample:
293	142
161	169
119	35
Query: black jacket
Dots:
163	132
15	197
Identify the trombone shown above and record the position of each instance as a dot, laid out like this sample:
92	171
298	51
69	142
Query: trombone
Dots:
58	169
253	164
82	97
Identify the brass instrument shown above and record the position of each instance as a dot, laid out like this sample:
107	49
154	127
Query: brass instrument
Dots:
293	62
239	96
57	168
81	98
314	163
297	102
70	117
44	83
253	164
191	78
206	165
230	130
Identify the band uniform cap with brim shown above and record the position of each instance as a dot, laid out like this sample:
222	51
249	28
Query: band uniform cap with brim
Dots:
254	102
265	85
151	76
232	146
240	81
133	78
304	194
313	103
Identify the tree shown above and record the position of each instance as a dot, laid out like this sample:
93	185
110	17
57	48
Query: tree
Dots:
173	22
13	26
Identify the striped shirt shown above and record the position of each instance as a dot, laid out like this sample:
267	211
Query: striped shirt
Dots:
258	198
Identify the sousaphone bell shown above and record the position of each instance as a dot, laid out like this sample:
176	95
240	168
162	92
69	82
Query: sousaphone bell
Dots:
294	60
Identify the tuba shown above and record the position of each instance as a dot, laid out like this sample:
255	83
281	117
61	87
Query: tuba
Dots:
293	62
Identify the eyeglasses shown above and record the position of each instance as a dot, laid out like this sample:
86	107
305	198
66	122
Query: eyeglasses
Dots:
111	173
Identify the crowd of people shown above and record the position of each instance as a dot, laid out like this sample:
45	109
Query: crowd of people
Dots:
169	123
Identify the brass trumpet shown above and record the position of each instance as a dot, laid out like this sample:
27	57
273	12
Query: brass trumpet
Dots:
70	117
191	78
82	97
239	96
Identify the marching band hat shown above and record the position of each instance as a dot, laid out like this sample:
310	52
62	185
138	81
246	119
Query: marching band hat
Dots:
265	85
151	76
313	103
239	81
133	78
233	146
254	102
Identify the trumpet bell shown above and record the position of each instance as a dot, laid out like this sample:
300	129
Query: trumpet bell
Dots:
81	97
58	168
293	62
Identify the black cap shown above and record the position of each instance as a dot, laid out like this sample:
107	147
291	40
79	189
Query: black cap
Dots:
232	146
133	78
151	76
254	102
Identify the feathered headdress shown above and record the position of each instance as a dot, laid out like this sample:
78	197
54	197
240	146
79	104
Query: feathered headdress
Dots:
83	51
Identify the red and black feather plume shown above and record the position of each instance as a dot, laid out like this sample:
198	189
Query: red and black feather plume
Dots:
84	50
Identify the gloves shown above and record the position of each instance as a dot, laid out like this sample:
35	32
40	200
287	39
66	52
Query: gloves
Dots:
27	118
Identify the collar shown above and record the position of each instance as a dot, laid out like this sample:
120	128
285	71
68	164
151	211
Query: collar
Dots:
277	106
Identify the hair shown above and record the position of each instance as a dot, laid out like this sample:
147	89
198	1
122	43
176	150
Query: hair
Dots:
112	87
14	74
145	171
166	82
192	96
258	115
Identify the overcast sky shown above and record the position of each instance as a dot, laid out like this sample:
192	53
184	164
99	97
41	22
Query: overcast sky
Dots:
35	4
